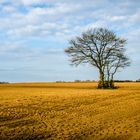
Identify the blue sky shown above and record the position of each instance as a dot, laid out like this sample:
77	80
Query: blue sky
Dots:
34	34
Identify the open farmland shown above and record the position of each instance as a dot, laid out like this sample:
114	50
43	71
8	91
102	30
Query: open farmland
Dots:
69	111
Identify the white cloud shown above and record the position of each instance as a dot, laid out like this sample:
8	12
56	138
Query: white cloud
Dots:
116	18
9	46
66	18
135	18
69	15
30	2
9	9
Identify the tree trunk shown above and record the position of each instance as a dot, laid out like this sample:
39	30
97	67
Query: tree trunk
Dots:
111	82
101	81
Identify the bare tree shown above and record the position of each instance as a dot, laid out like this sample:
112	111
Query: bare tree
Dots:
99	47
113	64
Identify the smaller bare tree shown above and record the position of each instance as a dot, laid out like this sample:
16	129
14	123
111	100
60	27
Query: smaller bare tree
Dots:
113	64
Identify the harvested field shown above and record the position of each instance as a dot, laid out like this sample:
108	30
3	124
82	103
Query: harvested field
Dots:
69	111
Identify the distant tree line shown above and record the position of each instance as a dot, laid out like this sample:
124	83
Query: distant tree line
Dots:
138	80
88	81
124	81
4	82
84	81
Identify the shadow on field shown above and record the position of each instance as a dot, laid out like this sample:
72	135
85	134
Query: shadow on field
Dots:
26	136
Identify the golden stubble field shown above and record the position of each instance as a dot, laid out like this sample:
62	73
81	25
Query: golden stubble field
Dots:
69	111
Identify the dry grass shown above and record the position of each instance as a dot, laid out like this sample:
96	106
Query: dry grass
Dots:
69	111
